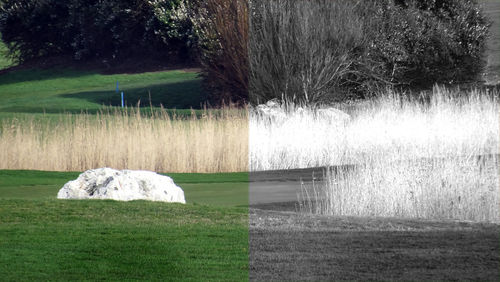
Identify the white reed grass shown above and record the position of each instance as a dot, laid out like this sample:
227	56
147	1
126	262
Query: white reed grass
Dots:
214	142
451	188
389	127
437	159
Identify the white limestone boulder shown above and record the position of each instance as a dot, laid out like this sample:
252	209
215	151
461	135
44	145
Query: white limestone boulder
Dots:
122	185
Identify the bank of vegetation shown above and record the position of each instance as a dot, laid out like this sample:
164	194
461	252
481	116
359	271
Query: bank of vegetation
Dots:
312	51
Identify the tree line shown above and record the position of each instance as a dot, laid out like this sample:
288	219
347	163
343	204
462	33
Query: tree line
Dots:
255	50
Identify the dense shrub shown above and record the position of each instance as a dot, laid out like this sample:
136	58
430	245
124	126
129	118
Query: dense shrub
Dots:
32	29
174	26
431	41
97	29
317	51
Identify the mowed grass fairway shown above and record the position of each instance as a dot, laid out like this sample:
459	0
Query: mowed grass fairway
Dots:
44	238
59	90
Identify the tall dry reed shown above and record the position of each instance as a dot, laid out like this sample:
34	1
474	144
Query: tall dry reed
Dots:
215	142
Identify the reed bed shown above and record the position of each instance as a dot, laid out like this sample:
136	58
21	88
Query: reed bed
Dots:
432	157
452	188
216	141
392	126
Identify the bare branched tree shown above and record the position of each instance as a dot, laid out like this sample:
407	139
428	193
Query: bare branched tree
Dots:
224	28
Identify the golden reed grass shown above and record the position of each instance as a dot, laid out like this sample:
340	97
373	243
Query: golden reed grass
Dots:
215	141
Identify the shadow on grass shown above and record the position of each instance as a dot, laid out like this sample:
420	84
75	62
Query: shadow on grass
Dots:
172	96
178	95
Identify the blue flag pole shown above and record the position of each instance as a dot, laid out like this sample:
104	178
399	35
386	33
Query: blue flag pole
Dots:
117	88
122	99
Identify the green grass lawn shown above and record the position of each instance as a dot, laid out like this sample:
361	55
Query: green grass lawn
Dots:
69	90
43	238
221	189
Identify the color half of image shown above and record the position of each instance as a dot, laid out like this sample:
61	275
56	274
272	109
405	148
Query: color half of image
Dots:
123	144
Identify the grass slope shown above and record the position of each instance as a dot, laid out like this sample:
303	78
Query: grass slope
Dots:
42	238
58	90
108	240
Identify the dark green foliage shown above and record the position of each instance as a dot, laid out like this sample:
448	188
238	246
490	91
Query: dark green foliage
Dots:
174	27
319	51
32	29
91	29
